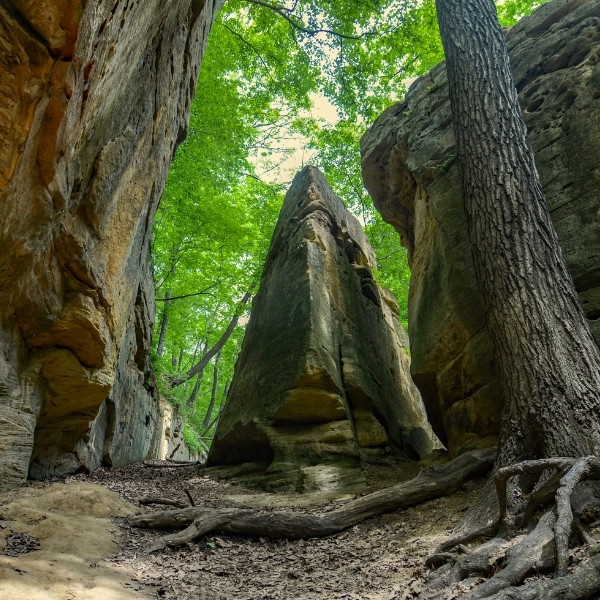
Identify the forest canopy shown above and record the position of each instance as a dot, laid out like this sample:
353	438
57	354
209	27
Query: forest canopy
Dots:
281	86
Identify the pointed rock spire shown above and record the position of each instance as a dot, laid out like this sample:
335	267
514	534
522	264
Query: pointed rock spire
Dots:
322	388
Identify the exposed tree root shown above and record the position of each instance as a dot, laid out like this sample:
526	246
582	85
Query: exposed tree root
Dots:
169	463
505	559
582	584
430	483
544	547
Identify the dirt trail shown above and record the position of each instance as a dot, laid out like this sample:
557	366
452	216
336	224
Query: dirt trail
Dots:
56	539
83	554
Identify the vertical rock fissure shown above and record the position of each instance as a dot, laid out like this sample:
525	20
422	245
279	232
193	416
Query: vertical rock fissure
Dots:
348	402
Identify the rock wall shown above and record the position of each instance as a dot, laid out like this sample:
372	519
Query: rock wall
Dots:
322	387
95	97
171	443
410	171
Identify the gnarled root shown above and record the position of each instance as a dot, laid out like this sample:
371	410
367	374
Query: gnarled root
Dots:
430	483
582	584
546	546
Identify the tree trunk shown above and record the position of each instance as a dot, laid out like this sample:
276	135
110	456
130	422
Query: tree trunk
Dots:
164	322
548	361
213	393
218	346
194	395
209	426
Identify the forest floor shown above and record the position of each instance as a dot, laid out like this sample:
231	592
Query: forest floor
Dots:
60	544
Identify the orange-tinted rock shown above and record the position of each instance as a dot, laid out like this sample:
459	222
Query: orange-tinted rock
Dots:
94	97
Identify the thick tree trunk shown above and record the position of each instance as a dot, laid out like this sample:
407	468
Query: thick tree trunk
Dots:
546	356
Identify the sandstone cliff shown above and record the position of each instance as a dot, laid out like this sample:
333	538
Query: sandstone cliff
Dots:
95	97
409	169
322	387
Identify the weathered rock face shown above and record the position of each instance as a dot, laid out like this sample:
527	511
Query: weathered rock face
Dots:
409	168
322	384
171	443
92	108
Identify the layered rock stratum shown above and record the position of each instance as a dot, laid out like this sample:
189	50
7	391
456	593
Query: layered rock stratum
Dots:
410	170
95	97
322	387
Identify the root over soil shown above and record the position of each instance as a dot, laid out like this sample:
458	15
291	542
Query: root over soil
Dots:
518	550
430	483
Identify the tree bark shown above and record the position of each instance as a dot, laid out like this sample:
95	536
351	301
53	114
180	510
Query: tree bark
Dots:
582	584
164	323
548	361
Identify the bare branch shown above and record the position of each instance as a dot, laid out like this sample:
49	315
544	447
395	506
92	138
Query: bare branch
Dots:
204	291
298	25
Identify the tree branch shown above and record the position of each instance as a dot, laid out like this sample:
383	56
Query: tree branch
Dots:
217	347
287	13
204	291
245	41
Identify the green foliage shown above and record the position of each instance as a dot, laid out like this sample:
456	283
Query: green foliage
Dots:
511	11
266	74
190	437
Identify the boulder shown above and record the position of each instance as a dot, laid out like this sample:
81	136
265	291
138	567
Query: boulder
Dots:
409	168
321	389
95	98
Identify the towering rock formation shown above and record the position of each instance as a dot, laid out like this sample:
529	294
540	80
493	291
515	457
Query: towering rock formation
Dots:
94	98
322	384
409	168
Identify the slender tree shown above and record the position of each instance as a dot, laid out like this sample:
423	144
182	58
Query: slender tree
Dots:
213	393
164	323
194	395
199	367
